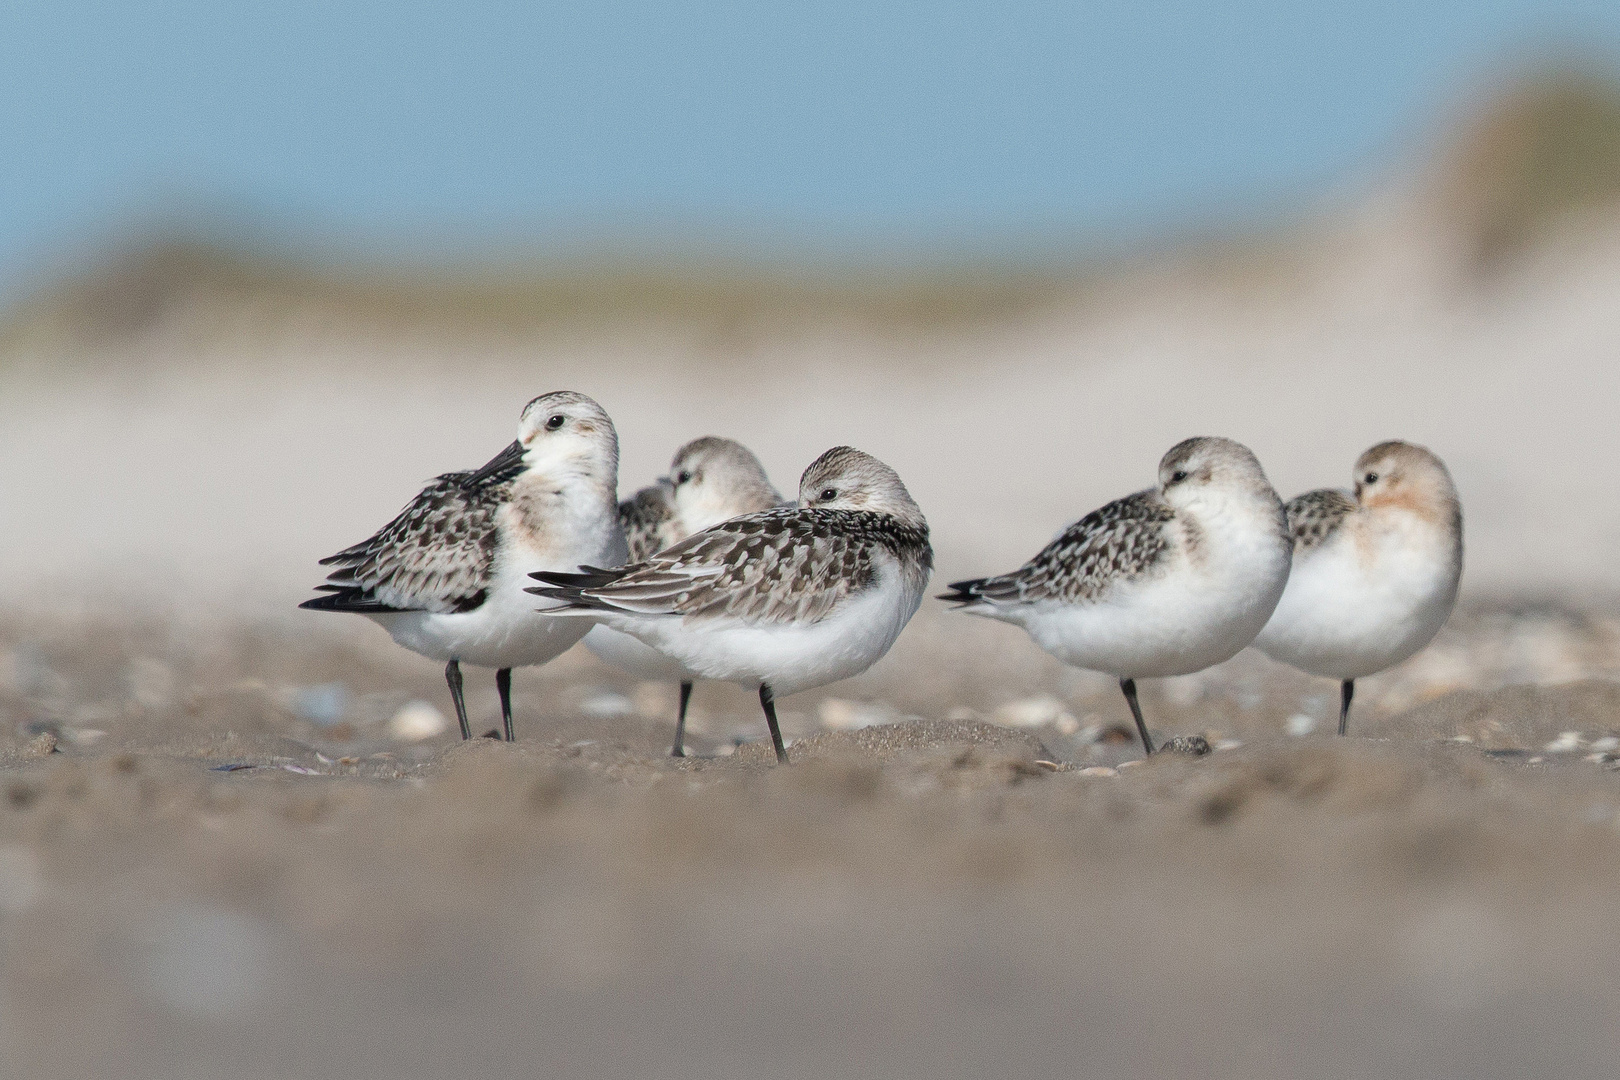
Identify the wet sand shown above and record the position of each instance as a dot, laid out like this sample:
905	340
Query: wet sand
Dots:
248	873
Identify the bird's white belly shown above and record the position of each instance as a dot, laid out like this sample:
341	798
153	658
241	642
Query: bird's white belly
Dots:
790	658
1345	617
1179	623
506	630
634	656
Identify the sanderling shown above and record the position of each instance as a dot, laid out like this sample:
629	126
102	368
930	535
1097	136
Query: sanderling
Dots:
710	480
1375	574
1164	582
783	600
446	577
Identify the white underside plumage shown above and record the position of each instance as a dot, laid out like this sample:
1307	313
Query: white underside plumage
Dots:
506	630
788	657
1366	599
633	656
1175	620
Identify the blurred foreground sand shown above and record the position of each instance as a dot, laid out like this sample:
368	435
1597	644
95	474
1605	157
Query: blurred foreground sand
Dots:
231	864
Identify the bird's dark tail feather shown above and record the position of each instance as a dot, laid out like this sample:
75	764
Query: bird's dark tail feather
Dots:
963	592
589	577
341	599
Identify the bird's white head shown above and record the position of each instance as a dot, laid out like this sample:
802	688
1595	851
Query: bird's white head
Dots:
1206	471
1403	475
715	480
566	436
846	479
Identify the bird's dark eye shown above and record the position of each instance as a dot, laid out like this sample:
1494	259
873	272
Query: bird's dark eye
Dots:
1370	478
1178	476
828	494
683	477
556	421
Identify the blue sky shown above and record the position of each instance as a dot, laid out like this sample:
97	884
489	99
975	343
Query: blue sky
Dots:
854	123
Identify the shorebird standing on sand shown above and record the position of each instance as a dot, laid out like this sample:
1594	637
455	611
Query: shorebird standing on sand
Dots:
783	600
710	480
446	577
1167	581
1375	574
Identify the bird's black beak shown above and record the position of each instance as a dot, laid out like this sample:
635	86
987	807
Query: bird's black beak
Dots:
510	458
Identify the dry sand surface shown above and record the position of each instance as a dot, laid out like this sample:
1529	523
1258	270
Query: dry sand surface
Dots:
231	844
218	858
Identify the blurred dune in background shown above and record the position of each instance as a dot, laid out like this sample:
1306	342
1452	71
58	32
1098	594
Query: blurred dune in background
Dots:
220	417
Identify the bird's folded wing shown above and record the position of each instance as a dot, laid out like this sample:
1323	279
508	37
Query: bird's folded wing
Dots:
1316	515
1114	543
776	567
646	518
435	556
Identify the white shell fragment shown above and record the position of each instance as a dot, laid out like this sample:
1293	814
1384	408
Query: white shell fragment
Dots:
1568	742
841	714
415	721
1037	711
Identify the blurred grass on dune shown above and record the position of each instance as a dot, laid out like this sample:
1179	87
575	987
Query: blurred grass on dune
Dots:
134	291
1525	160
1534	157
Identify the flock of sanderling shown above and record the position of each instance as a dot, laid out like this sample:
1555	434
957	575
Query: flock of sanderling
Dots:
709	574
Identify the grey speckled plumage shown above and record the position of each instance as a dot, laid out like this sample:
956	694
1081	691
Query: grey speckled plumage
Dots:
1123	540
435	555
1317	515
646	518
790	565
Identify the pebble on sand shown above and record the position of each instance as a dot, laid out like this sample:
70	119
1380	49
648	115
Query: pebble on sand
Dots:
1300	724
607	705
841	714
1568	742
415	721
1037	711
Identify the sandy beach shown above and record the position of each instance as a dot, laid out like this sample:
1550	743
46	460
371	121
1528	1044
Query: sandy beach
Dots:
241	840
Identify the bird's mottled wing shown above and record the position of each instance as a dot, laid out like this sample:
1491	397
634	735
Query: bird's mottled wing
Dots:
1316	515
790	565
1114	543
435	556
646	518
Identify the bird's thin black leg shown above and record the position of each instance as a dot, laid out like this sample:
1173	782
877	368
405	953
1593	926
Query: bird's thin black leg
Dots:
680	721
1347	690
1129	686
503	683
768	702
452	675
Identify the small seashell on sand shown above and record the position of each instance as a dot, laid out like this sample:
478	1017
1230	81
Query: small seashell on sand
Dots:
841	714
1568	742
415	721
1033	712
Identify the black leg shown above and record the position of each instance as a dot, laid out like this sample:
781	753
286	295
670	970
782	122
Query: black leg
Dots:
680	721
1129	686
503	683
768	703
452	675
1347	690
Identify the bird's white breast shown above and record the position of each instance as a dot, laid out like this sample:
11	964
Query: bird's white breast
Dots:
1371	596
